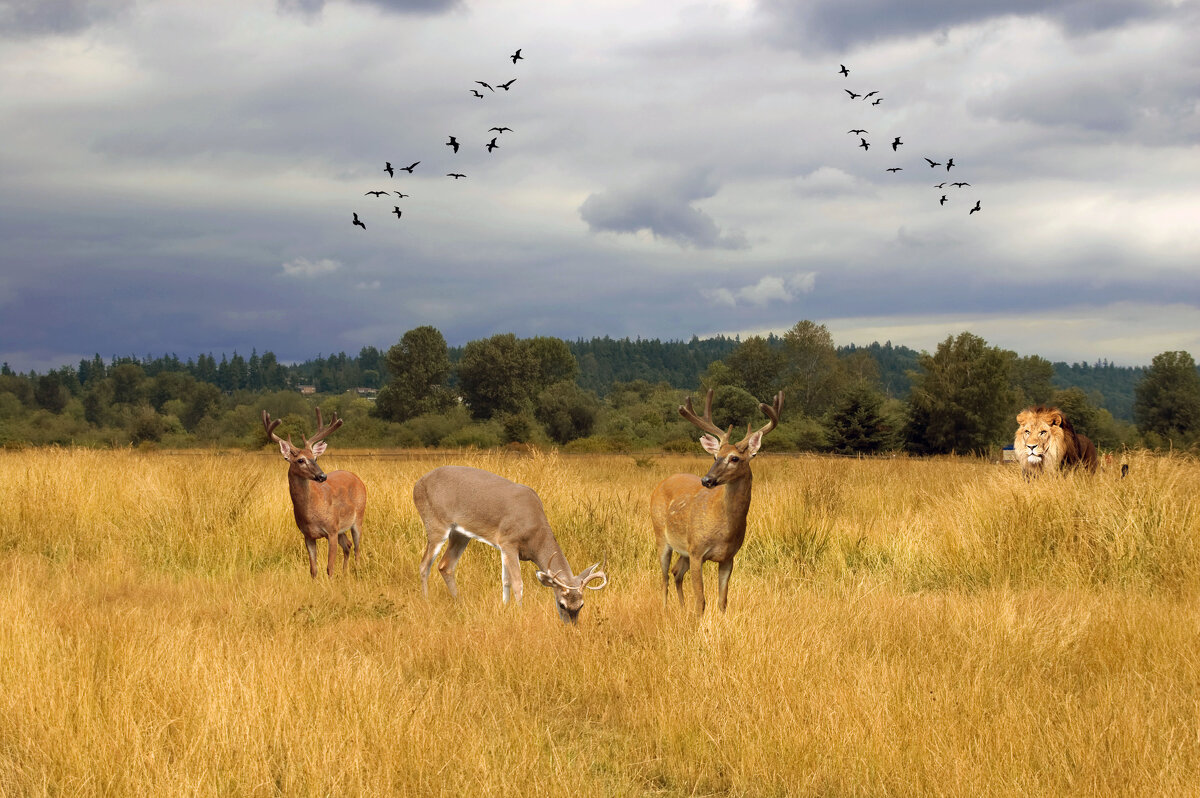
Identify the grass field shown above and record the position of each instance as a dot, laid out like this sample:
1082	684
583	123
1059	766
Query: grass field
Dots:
896	627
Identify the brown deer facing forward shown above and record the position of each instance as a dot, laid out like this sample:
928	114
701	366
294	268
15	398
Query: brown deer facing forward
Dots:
459	504
325	505
704	518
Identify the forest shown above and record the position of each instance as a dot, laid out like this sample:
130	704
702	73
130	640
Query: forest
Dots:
604	395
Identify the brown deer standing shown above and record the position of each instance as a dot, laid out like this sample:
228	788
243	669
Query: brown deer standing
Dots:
704	518
325	505
459	504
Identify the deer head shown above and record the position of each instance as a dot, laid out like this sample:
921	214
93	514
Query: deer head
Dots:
731	460
568	591
302	461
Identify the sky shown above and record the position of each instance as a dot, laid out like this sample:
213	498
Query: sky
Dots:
181	177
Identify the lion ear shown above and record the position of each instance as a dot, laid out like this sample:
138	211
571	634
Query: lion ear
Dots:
1056	418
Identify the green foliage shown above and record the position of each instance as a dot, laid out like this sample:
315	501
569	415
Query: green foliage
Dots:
1167	400
567	411
812	374
856	424
420	367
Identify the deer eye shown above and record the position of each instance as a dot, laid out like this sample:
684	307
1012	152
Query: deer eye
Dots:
735	459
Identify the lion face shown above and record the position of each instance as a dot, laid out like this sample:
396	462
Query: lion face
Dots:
1039	441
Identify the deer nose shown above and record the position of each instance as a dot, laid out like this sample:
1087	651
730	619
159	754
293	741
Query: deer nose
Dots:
708	482
320	477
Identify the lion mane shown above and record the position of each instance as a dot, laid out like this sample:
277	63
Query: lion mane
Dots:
1046	441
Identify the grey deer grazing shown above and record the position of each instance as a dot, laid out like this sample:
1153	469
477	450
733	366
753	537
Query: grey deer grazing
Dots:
704	518
459	504
325	505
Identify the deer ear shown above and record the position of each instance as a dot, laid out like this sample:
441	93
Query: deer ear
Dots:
753	442
318	449
546	579
710	444
284	448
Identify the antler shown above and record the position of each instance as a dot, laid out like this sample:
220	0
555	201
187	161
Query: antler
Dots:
772	414
596	572
705	423
271	425
322	429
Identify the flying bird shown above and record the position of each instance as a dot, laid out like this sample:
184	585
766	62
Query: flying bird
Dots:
877	102
843	70
932	163
486	86
401	196
478	94
949	163
960	185
506	86
517	56
868	95
377	193
499	129
491	145
853	96
864	144
357	222
396	210
942	201
896	169
896	143
387	167
858	131
453	142
455	175
974	209
410	167
940	185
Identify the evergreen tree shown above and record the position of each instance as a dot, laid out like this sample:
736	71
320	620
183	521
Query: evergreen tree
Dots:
856	424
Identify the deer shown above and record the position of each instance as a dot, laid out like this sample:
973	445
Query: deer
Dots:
325	505
459	504
704	518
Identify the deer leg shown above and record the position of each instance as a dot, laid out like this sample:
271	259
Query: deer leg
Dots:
724	569
510	575
456	544
431	549
664	559
311	545
355	535
698	586
332	553
344	542
678	570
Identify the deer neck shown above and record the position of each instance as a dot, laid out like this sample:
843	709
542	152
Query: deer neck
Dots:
301	490
549	557
737	502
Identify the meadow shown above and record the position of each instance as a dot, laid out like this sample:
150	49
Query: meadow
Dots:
896	627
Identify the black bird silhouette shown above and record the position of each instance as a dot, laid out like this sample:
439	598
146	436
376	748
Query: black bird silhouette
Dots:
453	142
942	201
949	163
877	102
896	143
455	175
491	145
410	167
506	86
396	210
941	185
843	70
388	168
377	193
853	96
868	95
401	196
517	56
976	208
896	169
960	185
478	94
856	132
499	129
486	86
357	222
864	144
932	163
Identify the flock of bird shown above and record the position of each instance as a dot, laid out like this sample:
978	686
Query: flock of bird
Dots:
897	143
453	144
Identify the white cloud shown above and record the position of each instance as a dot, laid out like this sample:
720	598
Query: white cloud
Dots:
305	268
767	289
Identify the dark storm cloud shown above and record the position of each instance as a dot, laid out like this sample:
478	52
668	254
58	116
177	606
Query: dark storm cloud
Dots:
839	25
663	207
310	7
39	17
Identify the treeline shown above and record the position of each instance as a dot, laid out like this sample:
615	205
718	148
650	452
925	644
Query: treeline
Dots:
605	395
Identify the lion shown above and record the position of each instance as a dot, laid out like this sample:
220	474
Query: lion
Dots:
1046	441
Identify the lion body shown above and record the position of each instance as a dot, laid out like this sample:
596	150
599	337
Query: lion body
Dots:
1046	441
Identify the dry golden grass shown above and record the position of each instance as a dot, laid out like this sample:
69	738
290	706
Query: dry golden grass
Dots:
896	627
